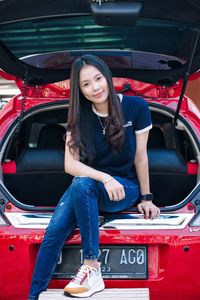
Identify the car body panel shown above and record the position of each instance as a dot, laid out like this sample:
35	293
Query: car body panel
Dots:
164	250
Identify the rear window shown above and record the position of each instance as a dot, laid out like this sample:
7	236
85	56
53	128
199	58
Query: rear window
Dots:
81	32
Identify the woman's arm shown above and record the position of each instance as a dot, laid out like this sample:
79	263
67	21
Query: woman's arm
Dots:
141	162
76	168
141	165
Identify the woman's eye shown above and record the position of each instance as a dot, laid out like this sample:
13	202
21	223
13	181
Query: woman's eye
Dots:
99	77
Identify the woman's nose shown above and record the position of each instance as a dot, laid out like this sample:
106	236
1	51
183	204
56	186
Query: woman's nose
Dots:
95	86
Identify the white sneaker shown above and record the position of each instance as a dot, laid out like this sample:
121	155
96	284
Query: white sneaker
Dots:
87	281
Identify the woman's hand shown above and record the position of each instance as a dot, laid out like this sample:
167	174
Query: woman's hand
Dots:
114	189
149	210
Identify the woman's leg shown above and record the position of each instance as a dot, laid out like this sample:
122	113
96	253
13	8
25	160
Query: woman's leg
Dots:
88	197
60	227
88	279
80	202
85	193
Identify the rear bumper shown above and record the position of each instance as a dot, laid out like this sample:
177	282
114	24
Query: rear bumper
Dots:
173	261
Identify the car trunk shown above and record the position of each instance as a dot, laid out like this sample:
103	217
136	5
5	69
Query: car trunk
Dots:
33	160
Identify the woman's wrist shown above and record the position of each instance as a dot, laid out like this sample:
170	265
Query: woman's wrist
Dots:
104	177
107	180
146	197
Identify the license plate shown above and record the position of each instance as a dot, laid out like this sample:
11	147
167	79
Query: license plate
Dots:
117	262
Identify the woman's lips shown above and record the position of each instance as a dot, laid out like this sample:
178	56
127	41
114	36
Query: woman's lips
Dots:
98	95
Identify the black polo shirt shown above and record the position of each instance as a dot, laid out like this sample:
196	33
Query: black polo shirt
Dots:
137	120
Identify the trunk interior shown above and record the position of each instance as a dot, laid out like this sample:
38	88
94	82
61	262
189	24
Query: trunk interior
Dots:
33	168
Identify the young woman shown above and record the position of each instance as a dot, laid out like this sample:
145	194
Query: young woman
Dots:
106	153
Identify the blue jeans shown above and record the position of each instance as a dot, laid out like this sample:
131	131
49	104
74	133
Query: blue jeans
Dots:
78	206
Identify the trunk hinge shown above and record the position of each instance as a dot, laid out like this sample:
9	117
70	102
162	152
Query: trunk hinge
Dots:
185	80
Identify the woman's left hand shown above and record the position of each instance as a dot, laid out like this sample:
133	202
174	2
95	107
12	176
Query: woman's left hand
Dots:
149	210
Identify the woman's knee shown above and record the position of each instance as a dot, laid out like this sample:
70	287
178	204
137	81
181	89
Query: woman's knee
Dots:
82	186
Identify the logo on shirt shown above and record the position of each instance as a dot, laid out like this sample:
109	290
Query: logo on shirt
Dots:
129	123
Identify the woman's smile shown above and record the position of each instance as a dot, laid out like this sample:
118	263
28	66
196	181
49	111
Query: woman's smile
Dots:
98	95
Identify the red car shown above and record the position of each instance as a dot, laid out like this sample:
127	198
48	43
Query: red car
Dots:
153	49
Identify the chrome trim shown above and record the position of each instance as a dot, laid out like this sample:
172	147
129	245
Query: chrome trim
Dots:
137	222
127	222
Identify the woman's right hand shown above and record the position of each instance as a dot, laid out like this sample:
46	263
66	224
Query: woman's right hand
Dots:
114	189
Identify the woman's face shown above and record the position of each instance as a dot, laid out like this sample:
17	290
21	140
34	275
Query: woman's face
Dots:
93	85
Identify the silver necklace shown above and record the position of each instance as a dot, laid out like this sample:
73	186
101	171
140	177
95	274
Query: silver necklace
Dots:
103	127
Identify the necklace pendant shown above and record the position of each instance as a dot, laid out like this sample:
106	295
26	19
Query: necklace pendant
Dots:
104	131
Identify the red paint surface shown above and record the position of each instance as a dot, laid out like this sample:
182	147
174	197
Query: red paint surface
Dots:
9	167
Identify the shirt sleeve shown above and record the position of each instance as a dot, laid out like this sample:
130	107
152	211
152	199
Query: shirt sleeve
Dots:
143	119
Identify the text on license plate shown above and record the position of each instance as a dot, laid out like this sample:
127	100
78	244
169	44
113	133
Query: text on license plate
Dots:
117	262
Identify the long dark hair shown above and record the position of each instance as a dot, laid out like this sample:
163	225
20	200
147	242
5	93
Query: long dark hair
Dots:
80	112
